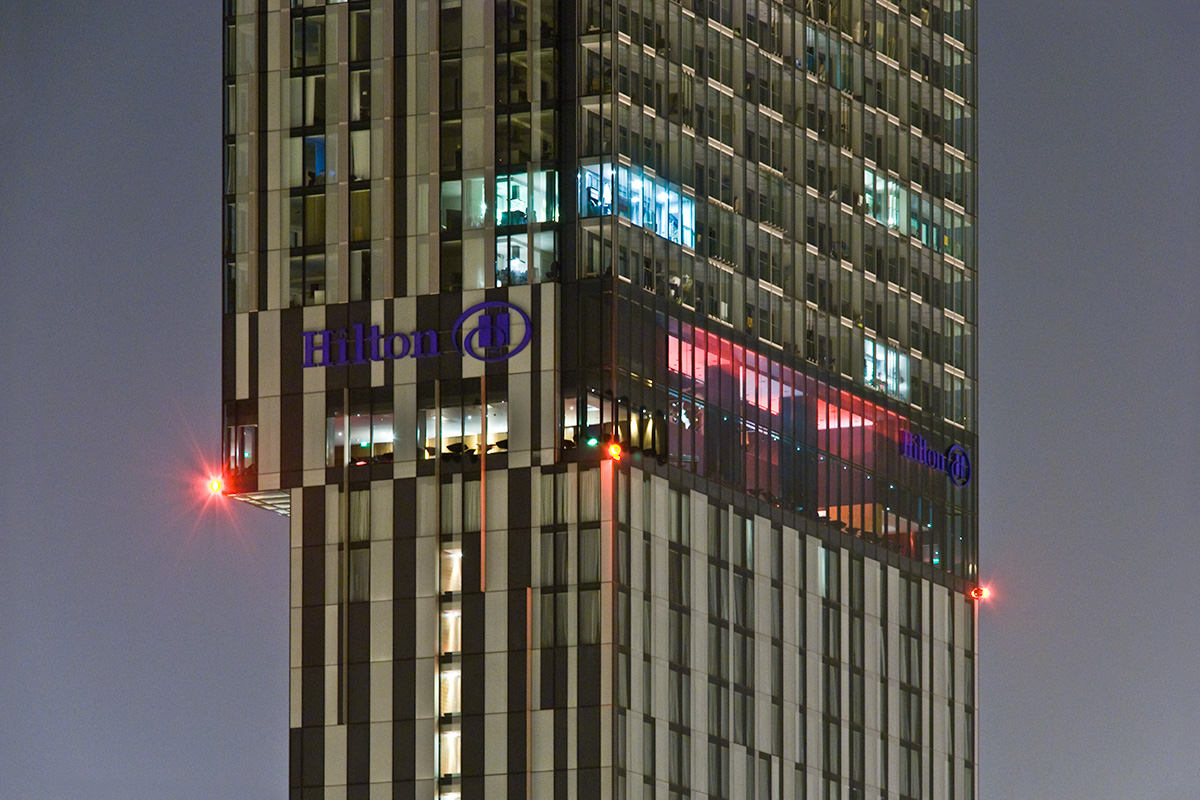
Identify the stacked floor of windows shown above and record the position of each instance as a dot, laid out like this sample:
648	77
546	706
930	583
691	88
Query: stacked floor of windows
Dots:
744	654
736	739
498	205
323	158
830	180
241	82
793	440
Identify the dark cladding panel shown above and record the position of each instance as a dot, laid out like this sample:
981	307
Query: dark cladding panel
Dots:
798	457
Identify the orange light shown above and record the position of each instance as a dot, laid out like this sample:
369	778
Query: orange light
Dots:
215	486
981	593
614	451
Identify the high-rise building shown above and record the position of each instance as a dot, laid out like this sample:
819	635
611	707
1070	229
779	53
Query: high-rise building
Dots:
615	363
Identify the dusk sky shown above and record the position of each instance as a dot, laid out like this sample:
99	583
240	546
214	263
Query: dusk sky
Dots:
143	630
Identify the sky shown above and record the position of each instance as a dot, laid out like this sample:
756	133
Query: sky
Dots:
143	630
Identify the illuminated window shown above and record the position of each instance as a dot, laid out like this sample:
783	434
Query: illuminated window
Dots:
646	201
307	165
512	260
450	684
372	437
885	370
360	155
523	198
451	630
240	445
582	420
886	200
360	214
450	753
463	431
452	570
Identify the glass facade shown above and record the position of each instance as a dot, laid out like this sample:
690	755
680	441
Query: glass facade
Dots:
468	246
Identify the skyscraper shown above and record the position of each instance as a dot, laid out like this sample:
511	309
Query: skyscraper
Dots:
615	364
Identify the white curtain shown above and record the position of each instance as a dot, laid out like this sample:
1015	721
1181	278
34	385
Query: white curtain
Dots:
451	631
589	556
589	616
450	755
360	574
360	516
451	691
452	570
472	506
589	495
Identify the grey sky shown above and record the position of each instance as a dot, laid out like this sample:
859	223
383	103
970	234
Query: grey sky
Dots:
143	637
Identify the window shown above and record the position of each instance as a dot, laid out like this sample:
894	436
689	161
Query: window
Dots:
360	35
522	198
525	258
306	101
307	166
461	431
360	95
464	204
679	582
885	370
718	650
743	543
680	758
306	220
718	591
360	155
554	558
452	570
718	770
306	277
679	518
589	550
240	445
358	536
359	580
450	694
743	717
589	616
450	753
360	274
886	200
451	635
451	145
679	635
359	515
644	200
370	430
308	41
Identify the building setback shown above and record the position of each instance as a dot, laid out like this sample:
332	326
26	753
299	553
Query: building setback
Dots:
615	364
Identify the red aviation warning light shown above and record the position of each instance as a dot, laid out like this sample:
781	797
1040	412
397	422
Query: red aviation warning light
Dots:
981	593
614	451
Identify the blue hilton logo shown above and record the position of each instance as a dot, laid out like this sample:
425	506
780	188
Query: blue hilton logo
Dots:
491	338
483	332
954	462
